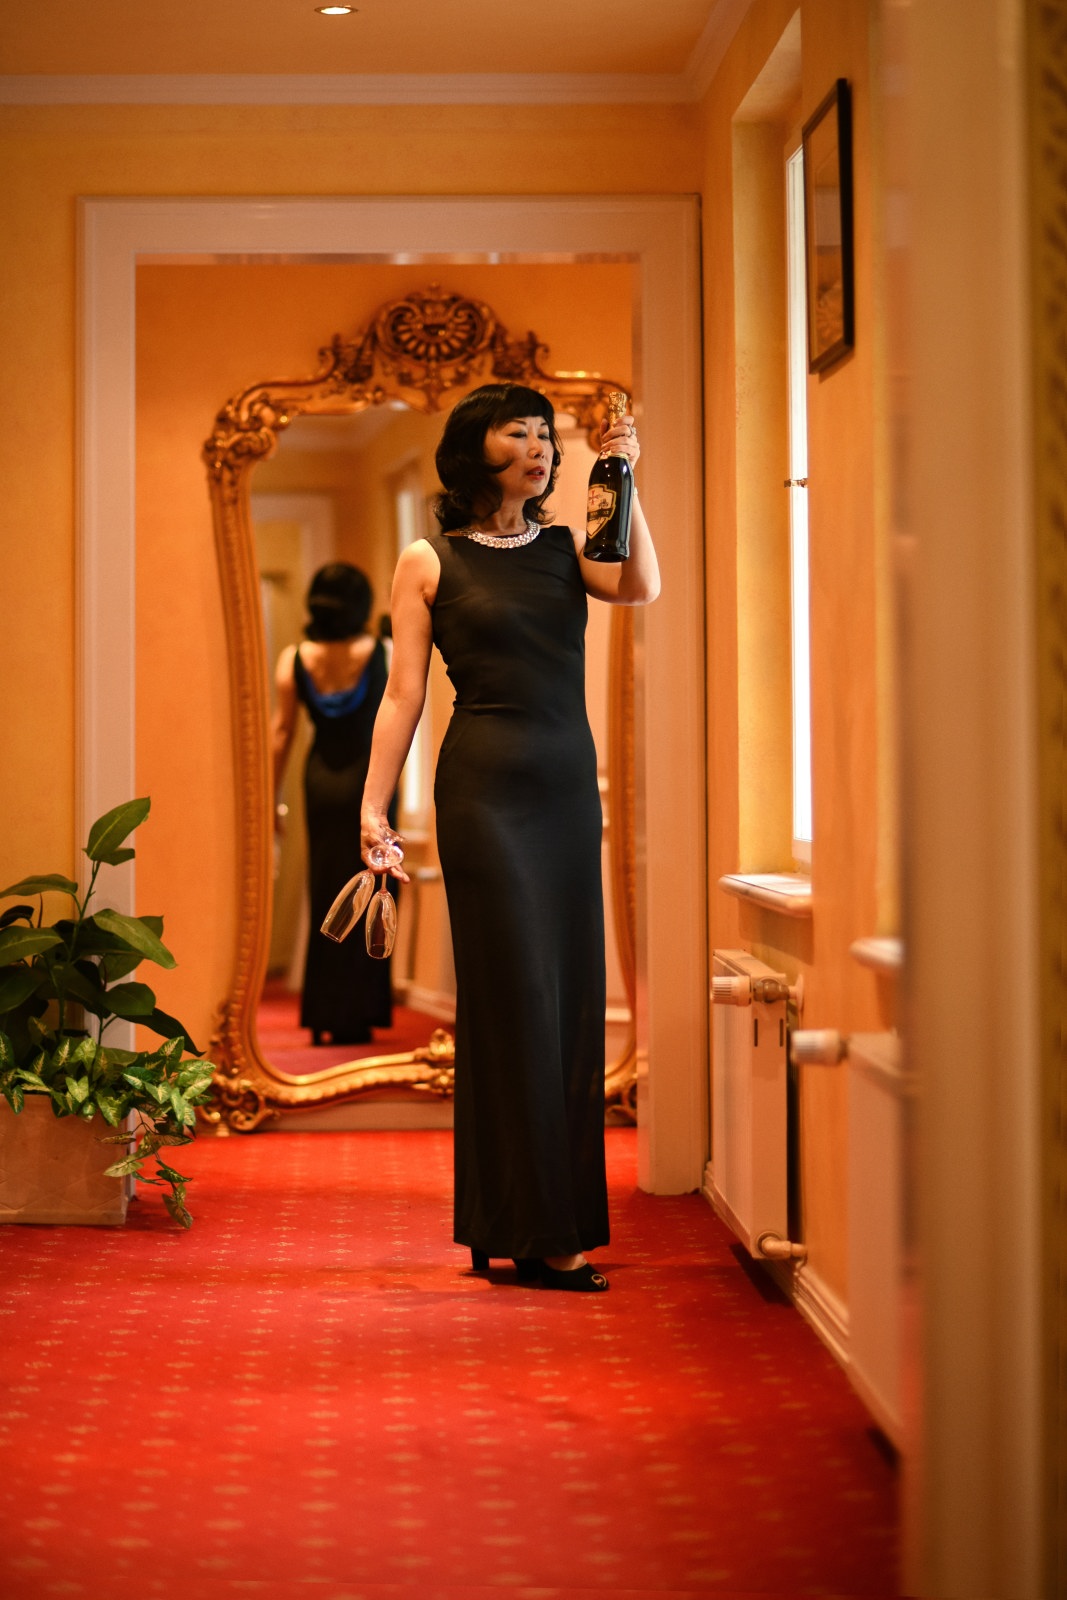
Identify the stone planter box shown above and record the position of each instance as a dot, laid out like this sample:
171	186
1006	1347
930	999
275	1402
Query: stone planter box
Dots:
52	1169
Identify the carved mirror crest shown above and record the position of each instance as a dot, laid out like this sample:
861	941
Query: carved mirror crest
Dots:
420	352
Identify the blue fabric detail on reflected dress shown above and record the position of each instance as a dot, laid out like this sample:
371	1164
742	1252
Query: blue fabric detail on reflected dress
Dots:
345	992
341	703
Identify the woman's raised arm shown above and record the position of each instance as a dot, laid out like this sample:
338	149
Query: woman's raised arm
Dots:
414	588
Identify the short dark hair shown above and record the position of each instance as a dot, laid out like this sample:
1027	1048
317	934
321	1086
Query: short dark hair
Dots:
468	480
339	602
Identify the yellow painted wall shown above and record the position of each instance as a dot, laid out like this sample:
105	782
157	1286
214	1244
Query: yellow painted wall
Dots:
50	156
854	851
339	476
357	481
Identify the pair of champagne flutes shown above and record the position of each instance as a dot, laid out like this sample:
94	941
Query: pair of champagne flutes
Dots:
359	895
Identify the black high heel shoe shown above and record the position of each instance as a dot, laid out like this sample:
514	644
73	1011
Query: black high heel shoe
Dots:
581	1280
526	1267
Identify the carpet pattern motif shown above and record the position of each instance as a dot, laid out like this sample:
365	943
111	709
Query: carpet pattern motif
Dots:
310	1392
287	1046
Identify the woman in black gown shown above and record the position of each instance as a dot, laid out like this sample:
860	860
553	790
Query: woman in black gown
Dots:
503	596
338	675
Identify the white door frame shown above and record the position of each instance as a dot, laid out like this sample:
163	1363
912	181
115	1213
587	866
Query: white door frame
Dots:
661	235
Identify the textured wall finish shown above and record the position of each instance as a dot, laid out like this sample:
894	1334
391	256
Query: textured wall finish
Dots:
1047	26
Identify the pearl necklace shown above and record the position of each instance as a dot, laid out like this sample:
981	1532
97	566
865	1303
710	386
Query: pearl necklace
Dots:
510	541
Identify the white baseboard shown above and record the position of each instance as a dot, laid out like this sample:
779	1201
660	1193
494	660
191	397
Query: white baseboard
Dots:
360	1116
887	1418
432	1002
817	1304
724	1211
442	1007
826	1312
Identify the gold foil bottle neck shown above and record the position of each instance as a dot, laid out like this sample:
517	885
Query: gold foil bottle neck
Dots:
618	405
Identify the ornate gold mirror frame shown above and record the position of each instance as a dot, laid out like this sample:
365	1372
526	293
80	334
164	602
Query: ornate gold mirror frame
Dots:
417	349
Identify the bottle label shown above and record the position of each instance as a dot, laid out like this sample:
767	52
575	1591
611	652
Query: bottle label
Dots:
599	509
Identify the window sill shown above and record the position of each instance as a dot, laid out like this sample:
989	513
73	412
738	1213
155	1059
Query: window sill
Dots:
785	892
882	955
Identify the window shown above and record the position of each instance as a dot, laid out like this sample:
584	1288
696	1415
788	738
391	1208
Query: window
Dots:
798	507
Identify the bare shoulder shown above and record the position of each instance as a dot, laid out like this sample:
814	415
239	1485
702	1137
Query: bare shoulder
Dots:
418	571
283	672
361	648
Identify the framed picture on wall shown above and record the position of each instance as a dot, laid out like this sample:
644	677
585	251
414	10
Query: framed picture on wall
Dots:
827	140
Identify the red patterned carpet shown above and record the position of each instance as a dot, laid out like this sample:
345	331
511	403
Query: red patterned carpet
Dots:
311	1393
287	1046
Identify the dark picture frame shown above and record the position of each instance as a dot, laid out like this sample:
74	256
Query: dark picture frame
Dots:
827	142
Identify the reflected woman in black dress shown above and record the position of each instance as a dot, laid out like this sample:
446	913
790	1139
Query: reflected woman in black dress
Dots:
338	675
503	595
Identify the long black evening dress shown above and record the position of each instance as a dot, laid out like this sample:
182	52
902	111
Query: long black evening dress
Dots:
346	993
519	833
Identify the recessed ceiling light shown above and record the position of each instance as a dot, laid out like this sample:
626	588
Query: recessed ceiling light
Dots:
335	11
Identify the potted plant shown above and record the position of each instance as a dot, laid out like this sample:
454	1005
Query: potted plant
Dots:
61	988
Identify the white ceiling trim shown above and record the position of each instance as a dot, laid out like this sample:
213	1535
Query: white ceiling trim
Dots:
391	89
370	89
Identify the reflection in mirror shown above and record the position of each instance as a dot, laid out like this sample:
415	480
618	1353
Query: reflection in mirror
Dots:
339	467
351	489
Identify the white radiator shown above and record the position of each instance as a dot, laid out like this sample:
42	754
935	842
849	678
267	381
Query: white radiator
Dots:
748	1179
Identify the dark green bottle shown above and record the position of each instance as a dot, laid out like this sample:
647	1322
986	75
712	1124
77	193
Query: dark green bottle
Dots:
610	502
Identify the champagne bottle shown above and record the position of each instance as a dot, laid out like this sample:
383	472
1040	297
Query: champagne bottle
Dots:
611	493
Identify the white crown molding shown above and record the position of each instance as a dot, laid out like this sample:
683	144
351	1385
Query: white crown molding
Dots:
724	19
370	89
390	89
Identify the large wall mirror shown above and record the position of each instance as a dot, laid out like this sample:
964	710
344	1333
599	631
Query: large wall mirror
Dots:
338	465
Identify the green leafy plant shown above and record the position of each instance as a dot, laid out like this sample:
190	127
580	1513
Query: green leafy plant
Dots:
61	988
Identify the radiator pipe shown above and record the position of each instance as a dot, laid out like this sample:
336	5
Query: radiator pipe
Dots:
817	1047
775	1248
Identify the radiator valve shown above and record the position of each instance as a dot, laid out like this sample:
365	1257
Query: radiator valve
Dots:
731	991
775	1248
742	991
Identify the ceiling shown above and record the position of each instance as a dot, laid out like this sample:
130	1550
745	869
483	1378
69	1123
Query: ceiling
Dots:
73	37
